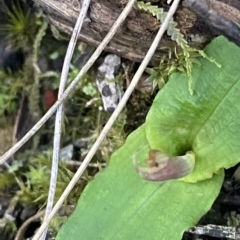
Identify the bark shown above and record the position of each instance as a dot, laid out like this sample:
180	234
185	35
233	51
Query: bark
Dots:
223	16
136	34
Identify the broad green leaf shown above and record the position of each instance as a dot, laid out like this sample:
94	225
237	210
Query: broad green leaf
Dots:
118	204
207	122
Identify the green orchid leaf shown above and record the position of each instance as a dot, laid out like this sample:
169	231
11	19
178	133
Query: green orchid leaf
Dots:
207	122
118	204
203	127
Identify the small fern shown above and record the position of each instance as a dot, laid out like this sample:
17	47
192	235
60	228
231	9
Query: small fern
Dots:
184	58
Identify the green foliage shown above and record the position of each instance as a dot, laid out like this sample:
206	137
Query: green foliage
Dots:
24	31
10	86
35	189
9	226
21	27
87	99
179	59
170	64
205	123
115	137
6	179
89	89
119	204
33	180
56	223
34	94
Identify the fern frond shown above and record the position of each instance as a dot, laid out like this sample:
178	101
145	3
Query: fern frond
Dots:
160	14
175	35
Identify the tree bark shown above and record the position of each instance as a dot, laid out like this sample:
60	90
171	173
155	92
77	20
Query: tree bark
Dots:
134	37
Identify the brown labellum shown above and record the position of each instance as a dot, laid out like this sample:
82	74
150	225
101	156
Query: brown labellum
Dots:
162	167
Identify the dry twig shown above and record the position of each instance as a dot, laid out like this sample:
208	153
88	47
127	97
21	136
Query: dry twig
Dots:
59	114
216	231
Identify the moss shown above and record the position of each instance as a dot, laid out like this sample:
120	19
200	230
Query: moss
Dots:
179	59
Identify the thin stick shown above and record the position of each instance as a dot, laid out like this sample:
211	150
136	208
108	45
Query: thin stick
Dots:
72	86
21	231
72	163
59	114
216	231
112	118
